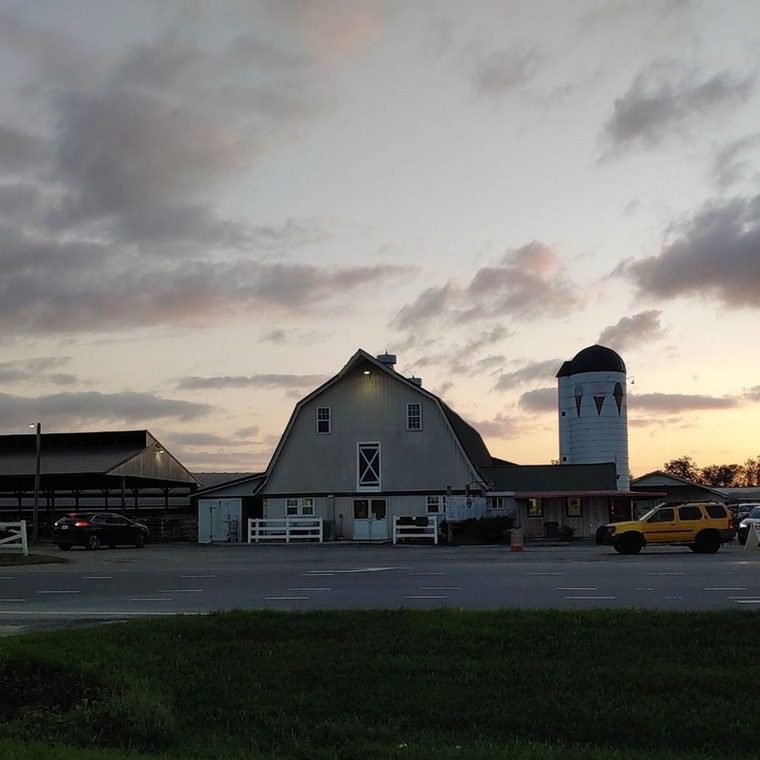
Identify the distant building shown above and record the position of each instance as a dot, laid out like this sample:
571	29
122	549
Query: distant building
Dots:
593	411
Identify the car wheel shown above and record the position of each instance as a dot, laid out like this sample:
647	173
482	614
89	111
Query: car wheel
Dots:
93	541
616	547
707	542
64	547
630	543
140	540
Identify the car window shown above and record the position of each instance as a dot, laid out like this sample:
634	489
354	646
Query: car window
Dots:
98	518
689	513
116	520
716	511
662	515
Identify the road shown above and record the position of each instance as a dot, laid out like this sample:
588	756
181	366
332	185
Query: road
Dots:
122	584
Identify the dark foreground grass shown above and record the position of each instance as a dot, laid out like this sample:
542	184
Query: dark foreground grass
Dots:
7	559
388	684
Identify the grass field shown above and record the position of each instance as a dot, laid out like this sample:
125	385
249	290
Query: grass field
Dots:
442	684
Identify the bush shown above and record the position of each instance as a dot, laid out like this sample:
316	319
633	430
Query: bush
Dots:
482	530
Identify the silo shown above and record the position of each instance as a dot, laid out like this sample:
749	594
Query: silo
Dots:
592	405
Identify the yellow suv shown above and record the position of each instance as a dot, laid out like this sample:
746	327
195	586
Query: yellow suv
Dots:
702	526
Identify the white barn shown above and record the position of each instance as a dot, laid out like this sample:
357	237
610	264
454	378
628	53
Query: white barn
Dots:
367	445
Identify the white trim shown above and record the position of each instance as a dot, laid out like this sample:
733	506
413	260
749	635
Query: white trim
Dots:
376	467
418	417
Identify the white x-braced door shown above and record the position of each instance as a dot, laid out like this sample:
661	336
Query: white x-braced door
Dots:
368	466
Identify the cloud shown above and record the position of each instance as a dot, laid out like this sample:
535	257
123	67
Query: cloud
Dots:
109	220
35	371
633	331
528	373
288	382
202	440
502	71
663	100
677	403
73	411
753	394
717	256
58	287
732	163
501	426
539	400
525	283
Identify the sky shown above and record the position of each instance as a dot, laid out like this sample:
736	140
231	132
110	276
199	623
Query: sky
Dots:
206	208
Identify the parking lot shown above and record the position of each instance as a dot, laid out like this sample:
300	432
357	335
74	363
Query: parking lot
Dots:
121	584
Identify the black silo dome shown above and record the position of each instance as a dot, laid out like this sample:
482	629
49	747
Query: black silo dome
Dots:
593	359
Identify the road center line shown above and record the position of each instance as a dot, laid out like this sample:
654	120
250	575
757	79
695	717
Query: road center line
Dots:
98	578
576	588
179	590
57	592
311	588
726	588
12	600
589	597
666	573
440	588
284	598
427	573
150	599
193	577
420	596
544	573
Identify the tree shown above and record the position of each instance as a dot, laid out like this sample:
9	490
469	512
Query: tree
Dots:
717	475
683	467
750	473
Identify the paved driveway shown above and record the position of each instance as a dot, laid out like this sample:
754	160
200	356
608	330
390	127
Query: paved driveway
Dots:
121	584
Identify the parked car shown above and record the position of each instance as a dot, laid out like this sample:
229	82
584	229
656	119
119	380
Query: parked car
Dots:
95	529
741	511
753	518
702	526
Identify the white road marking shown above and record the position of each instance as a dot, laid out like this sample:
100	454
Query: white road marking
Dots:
589	597
353	570
425	597
726	588
440	588
747	601
427	573
313	573
284	598
544	573
12	600
58	592
7	577
98	578
739	598
311	588
576	588
69	613
150	599
189	577
644	588
666	573
179	590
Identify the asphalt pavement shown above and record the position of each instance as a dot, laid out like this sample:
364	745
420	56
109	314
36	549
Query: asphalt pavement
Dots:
121	584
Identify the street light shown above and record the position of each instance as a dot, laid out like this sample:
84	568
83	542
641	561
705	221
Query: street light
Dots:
36	513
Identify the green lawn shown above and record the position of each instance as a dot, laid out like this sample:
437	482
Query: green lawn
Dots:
443	684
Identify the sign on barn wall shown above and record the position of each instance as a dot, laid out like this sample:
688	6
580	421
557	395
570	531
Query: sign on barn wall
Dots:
460	508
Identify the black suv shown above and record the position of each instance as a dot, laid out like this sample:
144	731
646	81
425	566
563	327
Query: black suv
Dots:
95	529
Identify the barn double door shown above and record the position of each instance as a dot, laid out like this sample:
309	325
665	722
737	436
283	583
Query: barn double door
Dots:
370	520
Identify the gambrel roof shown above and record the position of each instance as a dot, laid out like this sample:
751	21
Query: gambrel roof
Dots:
472	445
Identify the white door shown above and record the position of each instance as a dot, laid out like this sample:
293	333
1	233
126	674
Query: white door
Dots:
370	520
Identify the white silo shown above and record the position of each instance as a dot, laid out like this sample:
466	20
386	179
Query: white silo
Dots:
593	419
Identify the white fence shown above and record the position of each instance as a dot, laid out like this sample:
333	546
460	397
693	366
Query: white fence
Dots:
415	527
13	537
286	529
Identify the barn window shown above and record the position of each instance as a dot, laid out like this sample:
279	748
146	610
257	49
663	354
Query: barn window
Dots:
323	419
414	416
433	504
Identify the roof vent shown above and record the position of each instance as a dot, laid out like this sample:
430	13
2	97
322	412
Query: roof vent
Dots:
416	380
387	359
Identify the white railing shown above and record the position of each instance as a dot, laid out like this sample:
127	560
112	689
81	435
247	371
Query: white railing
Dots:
415	527
13	537
286	529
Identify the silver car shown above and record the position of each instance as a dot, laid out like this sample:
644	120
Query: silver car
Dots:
753	518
